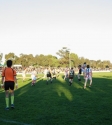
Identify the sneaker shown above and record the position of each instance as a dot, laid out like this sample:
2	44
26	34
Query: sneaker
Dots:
7	108
84	87
79	79
70	84
12	106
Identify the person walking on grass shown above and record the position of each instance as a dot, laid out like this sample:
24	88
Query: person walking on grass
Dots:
79	73
53	73
9	81
57	72
71	76
84	69
24	74
66	73
49	75
88	76
33	77
45	73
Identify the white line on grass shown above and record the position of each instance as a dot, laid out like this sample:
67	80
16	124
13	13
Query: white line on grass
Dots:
14	122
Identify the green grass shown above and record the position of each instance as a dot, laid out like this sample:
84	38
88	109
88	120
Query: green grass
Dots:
60	104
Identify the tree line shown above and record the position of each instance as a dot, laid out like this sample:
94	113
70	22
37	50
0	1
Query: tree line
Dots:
65	58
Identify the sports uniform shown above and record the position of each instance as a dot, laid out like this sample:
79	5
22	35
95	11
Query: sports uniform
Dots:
49	77
88	76
8	82
71	76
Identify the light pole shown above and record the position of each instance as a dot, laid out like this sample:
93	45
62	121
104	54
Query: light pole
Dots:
68	51
69	56
69	60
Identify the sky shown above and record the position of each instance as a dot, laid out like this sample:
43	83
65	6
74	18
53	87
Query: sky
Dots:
45	26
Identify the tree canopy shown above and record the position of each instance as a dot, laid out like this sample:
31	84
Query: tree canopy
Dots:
66	58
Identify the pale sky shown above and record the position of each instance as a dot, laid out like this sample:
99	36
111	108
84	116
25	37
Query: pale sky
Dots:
45	26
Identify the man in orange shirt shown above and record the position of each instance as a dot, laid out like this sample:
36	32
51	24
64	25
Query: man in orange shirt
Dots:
8	83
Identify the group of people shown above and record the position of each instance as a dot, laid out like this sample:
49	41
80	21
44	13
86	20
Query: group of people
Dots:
82	69
33	75
87	74
51	74
69	73
9	80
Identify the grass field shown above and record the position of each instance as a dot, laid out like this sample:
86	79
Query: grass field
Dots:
60	104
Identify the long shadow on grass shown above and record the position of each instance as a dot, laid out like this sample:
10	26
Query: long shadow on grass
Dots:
60	104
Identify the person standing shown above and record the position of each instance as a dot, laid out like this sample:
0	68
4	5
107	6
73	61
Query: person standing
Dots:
84	69
71	76
53	71
45	73
79	73
88	76
49	75
66	73
9	81
24	74
58	72
33	77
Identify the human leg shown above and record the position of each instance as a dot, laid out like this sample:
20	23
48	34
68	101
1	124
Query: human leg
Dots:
79	77
7	98
90	82
85	83
12	98
12	93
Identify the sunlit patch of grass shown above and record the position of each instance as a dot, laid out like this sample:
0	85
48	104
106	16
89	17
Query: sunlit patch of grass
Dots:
62	90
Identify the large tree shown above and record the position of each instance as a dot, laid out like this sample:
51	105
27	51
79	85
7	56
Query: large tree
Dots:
66	58
64	55
11	56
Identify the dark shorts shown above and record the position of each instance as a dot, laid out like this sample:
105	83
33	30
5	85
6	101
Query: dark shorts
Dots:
48	75
9	85
70	77
80	71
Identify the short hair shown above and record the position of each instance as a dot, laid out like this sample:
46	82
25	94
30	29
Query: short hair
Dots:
9	63
87	66
79	66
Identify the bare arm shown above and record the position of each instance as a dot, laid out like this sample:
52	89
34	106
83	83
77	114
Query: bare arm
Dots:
15	79
91	73
2	82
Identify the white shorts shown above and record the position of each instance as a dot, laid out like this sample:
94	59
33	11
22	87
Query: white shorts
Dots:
88	77
24	75
33	77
